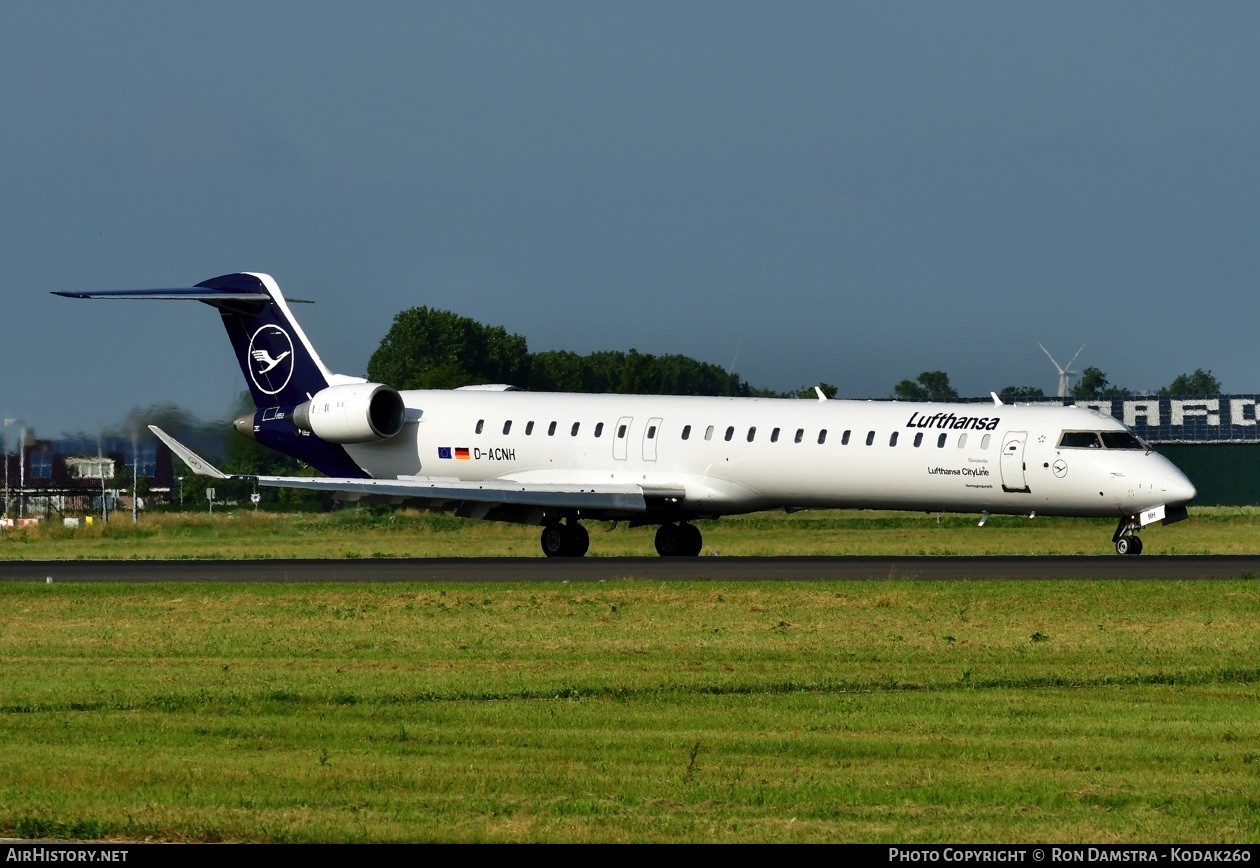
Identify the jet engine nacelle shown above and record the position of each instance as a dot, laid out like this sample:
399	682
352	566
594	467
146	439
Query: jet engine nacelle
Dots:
352	413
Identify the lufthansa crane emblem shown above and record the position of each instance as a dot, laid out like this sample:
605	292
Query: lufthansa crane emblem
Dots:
270	359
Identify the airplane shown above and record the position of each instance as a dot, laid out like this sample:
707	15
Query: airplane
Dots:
554	460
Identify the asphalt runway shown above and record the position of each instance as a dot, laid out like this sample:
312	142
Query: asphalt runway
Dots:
802	569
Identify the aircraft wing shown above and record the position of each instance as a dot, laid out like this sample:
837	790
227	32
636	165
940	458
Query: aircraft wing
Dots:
433	492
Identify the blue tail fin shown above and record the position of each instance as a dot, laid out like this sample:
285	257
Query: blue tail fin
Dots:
280	366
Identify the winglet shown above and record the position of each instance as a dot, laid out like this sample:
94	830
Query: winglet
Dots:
819	391
195	462
996	400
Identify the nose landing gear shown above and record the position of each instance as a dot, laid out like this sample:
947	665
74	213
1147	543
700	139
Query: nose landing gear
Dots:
1126	539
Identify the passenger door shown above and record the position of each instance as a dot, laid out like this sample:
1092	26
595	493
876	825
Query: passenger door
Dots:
650	435
1012	462
621	436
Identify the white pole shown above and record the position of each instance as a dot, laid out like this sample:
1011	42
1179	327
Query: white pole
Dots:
22	474
5	510
100	465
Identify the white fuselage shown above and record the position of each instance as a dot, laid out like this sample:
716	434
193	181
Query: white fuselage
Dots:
734	455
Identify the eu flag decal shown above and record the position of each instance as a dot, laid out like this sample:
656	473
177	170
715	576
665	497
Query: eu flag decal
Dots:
444	452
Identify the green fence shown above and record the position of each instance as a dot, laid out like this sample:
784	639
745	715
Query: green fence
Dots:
1226	474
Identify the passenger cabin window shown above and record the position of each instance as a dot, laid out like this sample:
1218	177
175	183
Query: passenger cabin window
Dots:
892	438
1121	440
1079	440
481	423
621	432
800	434
708	433
774	436
551	430
870	437
918	440
651	432
822	436
529	427
844	438
984	441
940	442
962	440
599	429
752	432
507	426
573	431
730	432
686	432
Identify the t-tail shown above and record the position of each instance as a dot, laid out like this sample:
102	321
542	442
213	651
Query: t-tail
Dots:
301	407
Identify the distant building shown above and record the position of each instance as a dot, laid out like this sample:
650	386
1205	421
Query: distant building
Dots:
72	475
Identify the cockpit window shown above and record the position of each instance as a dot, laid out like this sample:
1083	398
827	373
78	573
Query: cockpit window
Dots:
1121	440
1079	440
1091	440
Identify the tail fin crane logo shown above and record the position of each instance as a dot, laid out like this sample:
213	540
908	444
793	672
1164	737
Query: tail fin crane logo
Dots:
270	359
264	358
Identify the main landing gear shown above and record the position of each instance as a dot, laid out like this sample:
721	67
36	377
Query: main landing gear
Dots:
678	540
569	540
1126	539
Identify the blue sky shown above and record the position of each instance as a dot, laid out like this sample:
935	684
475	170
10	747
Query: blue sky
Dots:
848	192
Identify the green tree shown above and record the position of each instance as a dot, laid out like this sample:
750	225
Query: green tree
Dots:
1011	394
437	349
630	373
929	386
1094	384
1201	382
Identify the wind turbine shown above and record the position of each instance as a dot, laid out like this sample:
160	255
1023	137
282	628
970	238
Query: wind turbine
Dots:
1065	371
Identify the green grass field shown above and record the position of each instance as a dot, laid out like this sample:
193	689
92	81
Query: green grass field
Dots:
1064	711
629	711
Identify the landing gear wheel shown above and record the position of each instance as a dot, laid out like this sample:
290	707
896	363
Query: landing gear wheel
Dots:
1129	545
678	541
668	541
580	539
692	541
555	541
565	540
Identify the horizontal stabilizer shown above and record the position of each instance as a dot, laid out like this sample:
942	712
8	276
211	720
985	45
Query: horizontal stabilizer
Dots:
193	294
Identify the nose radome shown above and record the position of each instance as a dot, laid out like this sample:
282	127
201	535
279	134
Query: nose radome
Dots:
1178	488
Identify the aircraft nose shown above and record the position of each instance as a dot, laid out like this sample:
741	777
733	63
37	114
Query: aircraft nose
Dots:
1178	488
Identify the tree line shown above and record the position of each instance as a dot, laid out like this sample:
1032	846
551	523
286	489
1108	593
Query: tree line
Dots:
436	349
934	386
